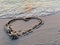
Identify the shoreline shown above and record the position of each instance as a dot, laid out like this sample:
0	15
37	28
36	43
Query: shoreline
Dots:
47	33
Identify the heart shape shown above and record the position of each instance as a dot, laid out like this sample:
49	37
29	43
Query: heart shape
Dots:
15	34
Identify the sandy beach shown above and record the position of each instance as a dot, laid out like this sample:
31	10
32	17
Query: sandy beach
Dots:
47	10
47	34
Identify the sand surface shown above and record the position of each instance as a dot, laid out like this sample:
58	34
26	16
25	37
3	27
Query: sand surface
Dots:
47	34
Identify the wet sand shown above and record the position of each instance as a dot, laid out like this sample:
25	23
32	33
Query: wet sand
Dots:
47	34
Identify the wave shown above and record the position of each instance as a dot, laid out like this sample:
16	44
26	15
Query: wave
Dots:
14	9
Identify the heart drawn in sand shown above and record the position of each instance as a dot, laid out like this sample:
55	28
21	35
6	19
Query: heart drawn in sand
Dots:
28	25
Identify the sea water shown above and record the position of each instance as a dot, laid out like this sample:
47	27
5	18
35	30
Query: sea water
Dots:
18	8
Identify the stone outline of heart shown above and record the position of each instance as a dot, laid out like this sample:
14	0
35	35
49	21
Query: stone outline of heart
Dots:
24	19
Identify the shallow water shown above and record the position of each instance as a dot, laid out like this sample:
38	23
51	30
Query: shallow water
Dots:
19	8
